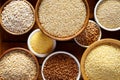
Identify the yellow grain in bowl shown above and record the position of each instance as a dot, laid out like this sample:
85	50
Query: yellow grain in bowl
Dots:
103	61
40	44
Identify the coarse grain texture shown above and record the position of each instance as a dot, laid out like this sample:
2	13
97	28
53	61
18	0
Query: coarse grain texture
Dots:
17	65
89	35
40	43
62	18
60	67
108	13
103	63
17	16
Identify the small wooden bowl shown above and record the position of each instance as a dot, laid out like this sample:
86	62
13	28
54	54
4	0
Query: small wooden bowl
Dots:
56	37
92	46
30	27
29	54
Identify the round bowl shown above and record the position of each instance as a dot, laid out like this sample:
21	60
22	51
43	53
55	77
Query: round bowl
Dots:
90	48
31	49
27	53
17	33
100	34
97	20
61	52
54	36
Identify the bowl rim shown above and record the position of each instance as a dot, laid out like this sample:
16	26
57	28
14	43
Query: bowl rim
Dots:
92	46
27	52
61	52
67	37
35	53
100	35
30	27
96	19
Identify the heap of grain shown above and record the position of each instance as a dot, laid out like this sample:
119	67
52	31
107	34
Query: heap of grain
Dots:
90	34
103	63
17	17
17	65
62	18
61	67
108	13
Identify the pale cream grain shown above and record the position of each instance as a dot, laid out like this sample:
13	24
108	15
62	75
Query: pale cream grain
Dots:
62	18
108	13
17	16
17	65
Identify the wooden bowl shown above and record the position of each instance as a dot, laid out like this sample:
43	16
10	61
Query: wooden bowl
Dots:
13	33
29	54
92	46
61	38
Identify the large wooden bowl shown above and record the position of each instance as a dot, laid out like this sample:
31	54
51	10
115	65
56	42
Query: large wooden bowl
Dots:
92	46
56	37
29	54
30	27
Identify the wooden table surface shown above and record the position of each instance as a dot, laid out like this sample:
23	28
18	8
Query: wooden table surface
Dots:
8	41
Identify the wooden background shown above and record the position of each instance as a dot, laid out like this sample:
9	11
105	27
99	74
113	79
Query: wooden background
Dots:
8	41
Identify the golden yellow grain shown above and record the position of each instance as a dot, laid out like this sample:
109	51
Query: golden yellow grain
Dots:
103	63
40	43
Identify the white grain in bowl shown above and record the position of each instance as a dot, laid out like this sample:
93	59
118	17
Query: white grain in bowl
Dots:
107	14
89	35
61	65
62	19
17	16
18	64
40	44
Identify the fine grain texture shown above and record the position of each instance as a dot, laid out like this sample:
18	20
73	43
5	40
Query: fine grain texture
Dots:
17	65
62	18
89	35
108	13
60	67
103	63
17	17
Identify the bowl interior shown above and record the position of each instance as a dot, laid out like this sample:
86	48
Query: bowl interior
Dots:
96	19
29	54
91	47
100	34
56	37
60	52
30	48
30	27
